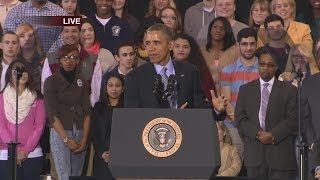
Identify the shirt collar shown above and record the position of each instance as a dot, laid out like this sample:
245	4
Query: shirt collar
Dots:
120	72
169	66
239	63
271	81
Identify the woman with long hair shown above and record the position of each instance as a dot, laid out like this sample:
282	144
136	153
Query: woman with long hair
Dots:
298	60
31	122
102	120
66	96
89	41
155	6
171	18
31	51
186	49
220	49
260	9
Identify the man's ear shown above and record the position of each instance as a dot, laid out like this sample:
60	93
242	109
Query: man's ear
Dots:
1	46
170	45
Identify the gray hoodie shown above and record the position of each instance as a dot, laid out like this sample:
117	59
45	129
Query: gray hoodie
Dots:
195	18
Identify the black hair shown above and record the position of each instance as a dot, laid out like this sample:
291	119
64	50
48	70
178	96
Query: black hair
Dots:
30	83
272	18
265	51
105	96
123	44
245	33
228	39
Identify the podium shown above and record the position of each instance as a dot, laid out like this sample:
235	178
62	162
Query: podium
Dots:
163	144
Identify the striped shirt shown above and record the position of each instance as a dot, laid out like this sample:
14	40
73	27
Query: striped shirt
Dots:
236	75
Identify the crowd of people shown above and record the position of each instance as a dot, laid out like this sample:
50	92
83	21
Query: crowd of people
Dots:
245	60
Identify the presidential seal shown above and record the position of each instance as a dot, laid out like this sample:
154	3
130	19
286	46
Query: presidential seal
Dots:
162	137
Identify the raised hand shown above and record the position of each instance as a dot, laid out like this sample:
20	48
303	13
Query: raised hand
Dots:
219	102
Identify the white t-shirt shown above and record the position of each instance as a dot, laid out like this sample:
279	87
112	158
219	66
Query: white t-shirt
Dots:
103	21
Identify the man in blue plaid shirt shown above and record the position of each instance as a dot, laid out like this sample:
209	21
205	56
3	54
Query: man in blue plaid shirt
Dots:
36	12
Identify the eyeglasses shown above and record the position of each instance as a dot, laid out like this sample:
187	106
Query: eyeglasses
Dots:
169	18
245	44
70	58
268	65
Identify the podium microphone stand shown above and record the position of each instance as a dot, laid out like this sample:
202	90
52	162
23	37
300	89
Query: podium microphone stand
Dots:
302	145
12	146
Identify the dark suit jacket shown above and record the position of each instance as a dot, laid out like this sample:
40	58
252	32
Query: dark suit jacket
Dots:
281	121
310	94
101	131
139	87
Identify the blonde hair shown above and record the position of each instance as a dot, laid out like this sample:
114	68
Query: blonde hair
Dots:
25	27
227	136
292	3
264	4
152	9
305	52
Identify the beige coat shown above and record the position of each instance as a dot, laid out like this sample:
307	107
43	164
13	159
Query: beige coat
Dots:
230	161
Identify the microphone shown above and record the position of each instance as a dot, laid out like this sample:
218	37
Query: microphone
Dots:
18	72
172	84
298	74
157	89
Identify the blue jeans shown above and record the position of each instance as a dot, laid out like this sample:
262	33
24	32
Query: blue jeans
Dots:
66	163
30	169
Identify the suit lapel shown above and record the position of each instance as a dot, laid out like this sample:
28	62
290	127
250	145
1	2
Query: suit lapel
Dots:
256	96
180	79
149	78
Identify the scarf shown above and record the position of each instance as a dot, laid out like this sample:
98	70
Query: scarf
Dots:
95	48
69	75
26	99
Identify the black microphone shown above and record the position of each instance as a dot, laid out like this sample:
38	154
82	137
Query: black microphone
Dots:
299	73
18	72
157	89
172	84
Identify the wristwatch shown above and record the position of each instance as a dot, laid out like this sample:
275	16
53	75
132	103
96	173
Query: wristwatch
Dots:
65	140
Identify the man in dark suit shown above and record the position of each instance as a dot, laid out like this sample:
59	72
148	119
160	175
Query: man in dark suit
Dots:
139	83
310	119
266	117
